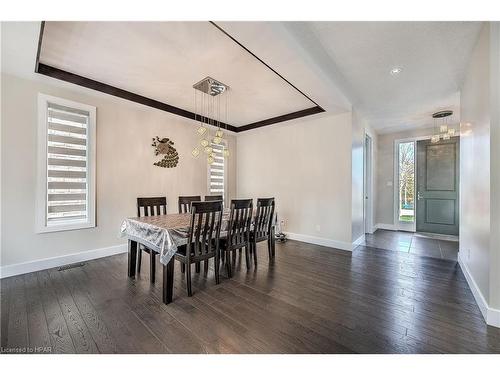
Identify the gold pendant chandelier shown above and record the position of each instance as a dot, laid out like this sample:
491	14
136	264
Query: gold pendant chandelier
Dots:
208	94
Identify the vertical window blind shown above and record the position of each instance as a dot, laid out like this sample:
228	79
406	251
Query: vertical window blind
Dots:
67	169
217	171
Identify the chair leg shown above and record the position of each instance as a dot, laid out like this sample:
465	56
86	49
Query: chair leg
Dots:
205	267
152	266
188	280
197	267
139	257
269	250
183	268
228	264
217	264
254	246
247	256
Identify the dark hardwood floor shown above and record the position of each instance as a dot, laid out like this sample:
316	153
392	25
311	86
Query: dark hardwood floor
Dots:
312	299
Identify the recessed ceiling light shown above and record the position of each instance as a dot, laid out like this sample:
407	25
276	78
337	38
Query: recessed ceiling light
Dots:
395	71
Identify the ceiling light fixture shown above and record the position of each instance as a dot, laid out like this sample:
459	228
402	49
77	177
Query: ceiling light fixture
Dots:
445	132
395	71
207	109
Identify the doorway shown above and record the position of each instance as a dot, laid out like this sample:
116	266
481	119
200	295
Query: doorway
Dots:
367	184
437	186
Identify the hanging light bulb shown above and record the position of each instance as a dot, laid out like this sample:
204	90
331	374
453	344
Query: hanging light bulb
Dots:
210	160
195	152
219	133
202	130
435	138
443	128
226	152
446	137
217	140
204	142
208	150
451	132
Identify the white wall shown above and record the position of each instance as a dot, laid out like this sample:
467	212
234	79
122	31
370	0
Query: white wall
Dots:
124	168
495	163
360	128
306	165
479	174
475	151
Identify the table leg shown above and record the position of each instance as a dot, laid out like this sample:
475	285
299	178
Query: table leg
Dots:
132	257
168	281
273	241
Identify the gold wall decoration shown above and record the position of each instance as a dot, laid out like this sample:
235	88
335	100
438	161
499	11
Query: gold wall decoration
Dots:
165	147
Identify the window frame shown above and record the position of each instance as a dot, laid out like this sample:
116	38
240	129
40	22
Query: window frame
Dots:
41	186
224	195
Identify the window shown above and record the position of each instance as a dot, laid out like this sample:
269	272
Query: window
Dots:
216	173
66	165
406	173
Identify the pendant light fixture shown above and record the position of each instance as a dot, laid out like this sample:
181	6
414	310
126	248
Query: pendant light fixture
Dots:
209	96
445	131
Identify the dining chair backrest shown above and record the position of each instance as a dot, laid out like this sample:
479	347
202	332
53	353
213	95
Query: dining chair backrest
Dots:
204	229
151	206
185	203
213	198
263	218
240	217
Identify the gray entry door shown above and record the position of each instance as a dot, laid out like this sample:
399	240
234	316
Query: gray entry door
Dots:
437	186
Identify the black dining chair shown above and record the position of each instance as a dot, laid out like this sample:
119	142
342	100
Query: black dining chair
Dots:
203	238
213	198
150	207
184	208
263	227
238	232
185	203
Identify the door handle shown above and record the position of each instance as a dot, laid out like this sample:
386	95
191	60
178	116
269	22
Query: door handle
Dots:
419	196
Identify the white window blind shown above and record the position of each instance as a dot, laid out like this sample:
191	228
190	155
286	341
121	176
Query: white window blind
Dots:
216	171
67	165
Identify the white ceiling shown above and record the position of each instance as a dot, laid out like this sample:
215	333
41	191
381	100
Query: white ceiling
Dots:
336	64
355	58
162	60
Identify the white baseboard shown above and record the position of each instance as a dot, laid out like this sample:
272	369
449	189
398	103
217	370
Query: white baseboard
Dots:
43	264
490	315
358	241
320	241
385	226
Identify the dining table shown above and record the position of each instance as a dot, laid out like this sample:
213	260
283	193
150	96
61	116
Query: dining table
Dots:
164	234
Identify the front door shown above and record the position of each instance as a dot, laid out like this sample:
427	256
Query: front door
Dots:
437	186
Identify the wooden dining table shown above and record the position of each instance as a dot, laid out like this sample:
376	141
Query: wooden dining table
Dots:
163	234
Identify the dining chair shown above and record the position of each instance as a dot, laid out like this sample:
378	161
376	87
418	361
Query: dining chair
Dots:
150	207
185	203
238	232
262	227
203	238
213	198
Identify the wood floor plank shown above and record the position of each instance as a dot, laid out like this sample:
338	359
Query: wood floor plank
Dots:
39	338
58	330
18	320
82	339
310	299
97	328
5	292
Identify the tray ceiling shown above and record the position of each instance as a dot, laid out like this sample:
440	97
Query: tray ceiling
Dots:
162	60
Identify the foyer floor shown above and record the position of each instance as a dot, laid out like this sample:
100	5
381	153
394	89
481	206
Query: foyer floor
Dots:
311	299
412	243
